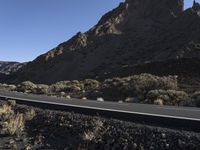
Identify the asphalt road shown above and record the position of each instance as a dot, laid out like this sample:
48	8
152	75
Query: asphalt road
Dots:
184	113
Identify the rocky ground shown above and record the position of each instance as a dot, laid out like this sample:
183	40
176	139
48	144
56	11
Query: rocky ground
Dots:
46	129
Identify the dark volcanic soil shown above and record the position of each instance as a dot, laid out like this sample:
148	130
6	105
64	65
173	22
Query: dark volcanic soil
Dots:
66	130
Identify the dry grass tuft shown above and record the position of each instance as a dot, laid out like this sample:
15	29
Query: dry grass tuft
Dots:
96	132
15	124
5	109
88	136
12	123
30	114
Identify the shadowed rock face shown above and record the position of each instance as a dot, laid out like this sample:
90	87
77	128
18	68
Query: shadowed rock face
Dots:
136	33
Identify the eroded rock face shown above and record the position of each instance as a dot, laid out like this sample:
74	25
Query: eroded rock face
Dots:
137	33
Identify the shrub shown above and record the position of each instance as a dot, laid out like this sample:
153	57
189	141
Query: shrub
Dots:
26	86
11	103
142	84
12	87
196	99
12	121
95	132
169	97
5	109
30	114
15	124
66	86
58	87
137	86
112	88
90	84
41	89
7	87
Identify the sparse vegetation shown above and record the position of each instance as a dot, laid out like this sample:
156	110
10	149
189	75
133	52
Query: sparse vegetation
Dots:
12	122
66	86
96	132
168	97
41	89
26	86
5	109
137	86
90	84
7	87
142	88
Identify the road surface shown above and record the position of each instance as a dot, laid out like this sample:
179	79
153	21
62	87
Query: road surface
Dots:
144	112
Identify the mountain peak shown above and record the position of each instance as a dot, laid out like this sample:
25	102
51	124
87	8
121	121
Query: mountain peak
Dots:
157	7
124	16
196	6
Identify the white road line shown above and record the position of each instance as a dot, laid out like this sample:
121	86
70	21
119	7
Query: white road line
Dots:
105	109
198	110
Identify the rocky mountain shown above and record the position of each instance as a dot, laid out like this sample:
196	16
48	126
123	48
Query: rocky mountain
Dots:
10	67
154	36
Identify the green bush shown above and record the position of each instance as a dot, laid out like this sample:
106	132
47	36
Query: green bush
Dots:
90	84
8	87
26	86
112	88
142	84
169	97
66	86
137	85
41	89
59	86
196	99
136	88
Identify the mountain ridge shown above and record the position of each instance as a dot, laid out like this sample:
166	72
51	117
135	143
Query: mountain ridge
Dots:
136	33
7	67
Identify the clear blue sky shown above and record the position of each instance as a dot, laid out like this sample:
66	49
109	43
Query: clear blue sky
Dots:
29	28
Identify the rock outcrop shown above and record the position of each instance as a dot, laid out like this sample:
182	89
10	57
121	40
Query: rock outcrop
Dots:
137	34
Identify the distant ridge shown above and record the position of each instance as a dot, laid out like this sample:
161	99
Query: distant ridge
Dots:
10	67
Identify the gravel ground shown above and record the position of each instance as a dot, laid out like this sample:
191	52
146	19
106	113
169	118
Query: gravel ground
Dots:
58	130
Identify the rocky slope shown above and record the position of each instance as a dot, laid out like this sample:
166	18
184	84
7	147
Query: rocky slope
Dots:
131	39
9	67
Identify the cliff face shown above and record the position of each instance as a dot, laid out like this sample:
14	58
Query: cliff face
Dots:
137	33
